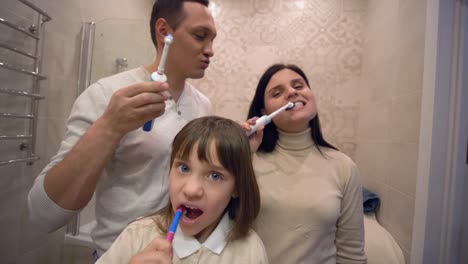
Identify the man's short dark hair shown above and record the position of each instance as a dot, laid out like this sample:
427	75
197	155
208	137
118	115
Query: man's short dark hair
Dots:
172	11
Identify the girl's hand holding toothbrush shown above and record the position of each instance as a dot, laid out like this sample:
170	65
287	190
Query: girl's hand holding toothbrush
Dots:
159	251
130	107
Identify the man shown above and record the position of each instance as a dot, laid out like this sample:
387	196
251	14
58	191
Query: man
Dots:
106	151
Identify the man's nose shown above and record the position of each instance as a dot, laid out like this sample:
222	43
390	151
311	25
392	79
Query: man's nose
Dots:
208	49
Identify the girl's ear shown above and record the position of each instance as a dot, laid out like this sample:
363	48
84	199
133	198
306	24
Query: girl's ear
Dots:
234	194
262	111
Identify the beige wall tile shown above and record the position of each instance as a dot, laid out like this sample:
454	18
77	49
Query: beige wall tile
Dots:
60	97
382	31
390	107
372	159
374	121
405	118
400	218
402	167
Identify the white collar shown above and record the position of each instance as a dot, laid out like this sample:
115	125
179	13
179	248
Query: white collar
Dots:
185	246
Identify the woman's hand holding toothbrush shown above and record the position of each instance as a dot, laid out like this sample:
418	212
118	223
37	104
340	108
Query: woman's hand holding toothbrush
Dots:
255	138
130	107
256	124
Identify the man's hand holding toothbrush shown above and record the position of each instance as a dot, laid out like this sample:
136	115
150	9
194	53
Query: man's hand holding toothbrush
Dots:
130	107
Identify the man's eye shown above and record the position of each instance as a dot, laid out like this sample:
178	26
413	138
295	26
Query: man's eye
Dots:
200	36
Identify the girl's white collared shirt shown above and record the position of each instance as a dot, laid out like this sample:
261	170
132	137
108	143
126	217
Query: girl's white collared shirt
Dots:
185	246
216	249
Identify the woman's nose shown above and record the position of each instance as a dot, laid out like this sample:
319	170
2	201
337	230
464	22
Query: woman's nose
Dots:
292	93
193	188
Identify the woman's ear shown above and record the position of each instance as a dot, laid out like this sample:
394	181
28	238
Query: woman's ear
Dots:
262	111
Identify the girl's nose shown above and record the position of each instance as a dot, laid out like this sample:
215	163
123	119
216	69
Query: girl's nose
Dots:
193	188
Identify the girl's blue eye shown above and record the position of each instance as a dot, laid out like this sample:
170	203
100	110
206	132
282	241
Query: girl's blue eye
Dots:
215	176
183	168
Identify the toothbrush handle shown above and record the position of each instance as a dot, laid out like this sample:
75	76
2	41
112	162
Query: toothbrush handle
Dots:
262	121
156	77
148	126
173	227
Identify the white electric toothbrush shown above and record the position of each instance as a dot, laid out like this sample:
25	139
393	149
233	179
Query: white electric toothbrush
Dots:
159	76
266	119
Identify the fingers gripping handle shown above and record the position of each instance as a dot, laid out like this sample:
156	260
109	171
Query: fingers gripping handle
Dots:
156	77
262	121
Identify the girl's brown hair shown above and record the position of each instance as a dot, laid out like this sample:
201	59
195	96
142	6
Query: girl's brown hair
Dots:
233	151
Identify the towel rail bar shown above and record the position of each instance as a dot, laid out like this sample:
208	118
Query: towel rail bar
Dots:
7	115
21	93
17	28
27	54
13	161
46	16
8	66
5	137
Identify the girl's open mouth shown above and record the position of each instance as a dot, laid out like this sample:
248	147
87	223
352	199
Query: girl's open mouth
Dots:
192	213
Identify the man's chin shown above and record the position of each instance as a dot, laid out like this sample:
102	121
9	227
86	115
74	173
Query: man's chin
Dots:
197	75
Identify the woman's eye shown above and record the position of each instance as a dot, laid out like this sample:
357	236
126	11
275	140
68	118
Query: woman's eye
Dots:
298	87
183	168
215	176
276	94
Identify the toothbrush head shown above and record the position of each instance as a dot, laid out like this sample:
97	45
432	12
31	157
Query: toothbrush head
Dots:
168	39
181	208
290	106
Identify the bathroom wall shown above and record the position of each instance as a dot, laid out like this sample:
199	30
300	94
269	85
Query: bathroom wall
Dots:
21	242
389	110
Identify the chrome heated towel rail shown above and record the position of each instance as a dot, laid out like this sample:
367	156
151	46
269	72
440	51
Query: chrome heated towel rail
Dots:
27	142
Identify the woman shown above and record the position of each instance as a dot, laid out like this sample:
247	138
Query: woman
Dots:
311	196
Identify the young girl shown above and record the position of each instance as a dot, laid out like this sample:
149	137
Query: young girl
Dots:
212	178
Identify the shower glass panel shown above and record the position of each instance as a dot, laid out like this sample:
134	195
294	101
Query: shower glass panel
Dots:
116	45
119	40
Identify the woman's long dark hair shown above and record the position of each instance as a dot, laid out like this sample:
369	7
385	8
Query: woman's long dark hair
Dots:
270	133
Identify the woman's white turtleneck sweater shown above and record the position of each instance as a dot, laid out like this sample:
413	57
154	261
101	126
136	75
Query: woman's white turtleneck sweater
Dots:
311	203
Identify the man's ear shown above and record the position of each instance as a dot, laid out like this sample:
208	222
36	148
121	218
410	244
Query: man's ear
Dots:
162	28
